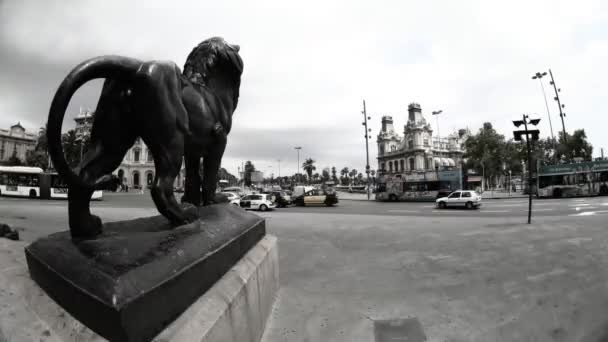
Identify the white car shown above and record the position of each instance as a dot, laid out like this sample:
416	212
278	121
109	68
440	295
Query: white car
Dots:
460	198
261	202
231	196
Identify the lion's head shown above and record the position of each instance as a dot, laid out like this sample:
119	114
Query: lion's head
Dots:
215	63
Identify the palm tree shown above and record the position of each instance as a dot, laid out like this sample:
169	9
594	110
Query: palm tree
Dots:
360	177
309	167
353	174
344	172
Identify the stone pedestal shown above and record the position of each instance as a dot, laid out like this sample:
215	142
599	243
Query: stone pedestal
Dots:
236	308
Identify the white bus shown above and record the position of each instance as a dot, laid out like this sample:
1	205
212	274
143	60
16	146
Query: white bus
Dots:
59	189
21	181
33	182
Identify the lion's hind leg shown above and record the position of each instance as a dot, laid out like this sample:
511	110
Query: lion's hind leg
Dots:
95	168
167	164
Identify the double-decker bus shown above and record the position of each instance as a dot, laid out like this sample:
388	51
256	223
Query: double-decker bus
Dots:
576	179
33	182
422	186
21	181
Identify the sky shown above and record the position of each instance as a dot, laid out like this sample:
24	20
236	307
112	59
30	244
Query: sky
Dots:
310	64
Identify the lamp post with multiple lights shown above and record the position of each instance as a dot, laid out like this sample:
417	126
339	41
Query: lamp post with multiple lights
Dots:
436	114
539	76
367	137
559	105
298	148
530	134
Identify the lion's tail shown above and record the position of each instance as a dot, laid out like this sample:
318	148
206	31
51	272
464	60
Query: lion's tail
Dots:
114	67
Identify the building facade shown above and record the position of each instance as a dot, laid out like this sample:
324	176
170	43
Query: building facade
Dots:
16	142
137	167
417	151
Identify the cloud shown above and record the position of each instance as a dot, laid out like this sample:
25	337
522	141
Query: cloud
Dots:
308	66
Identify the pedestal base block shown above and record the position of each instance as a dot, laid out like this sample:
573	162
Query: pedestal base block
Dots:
130	283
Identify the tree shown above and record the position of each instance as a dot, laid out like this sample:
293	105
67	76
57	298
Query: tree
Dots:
360	177
39	157
344	173
249	168
316	177
14	160
71	148
373	173
222	173
576	146
333	174
309	167
325	174
353	174
485	152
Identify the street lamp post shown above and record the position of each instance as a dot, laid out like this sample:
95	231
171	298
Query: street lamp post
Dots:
436	114
539	76
367	137
298	148
530	134
559	105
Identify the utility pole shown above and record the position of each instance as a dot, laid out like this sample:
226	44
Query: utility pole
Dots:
367	136
559	105
298	148
530	134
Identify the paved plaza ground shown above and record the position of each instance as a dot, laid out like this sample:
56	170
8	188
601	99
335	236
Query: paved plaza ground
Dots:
466	275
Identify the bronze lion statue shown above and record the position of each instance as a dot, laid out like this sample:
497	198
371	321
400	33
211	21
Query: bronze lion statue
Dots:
178	115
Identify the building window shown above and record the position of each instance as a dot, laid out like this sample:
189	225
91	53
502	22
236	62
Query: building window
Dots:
390	166
396	166
410	144
150	157
136	156
412	164
426	164
402	162
381	149
393	148
382	165
426	142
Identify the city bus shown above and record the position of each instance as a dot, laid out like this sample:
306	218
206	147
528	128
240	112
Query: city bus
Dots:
23	181
57	188
422	186
576	179
33	182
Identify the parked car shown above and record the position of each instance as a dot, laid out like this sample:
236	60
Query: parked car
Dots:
230	195
460	198
317	197
261	202
281	198
300	190
234	189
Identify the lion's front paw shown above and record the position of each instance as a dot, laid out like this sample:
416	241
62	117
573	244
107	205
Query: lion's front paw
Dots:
190	213
87	227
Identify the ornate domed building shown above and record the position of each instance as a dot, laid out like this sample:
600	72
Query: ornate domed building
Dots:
418	156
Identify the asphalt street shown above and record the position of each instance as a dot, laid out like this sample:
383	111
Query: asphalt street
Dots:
466	275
